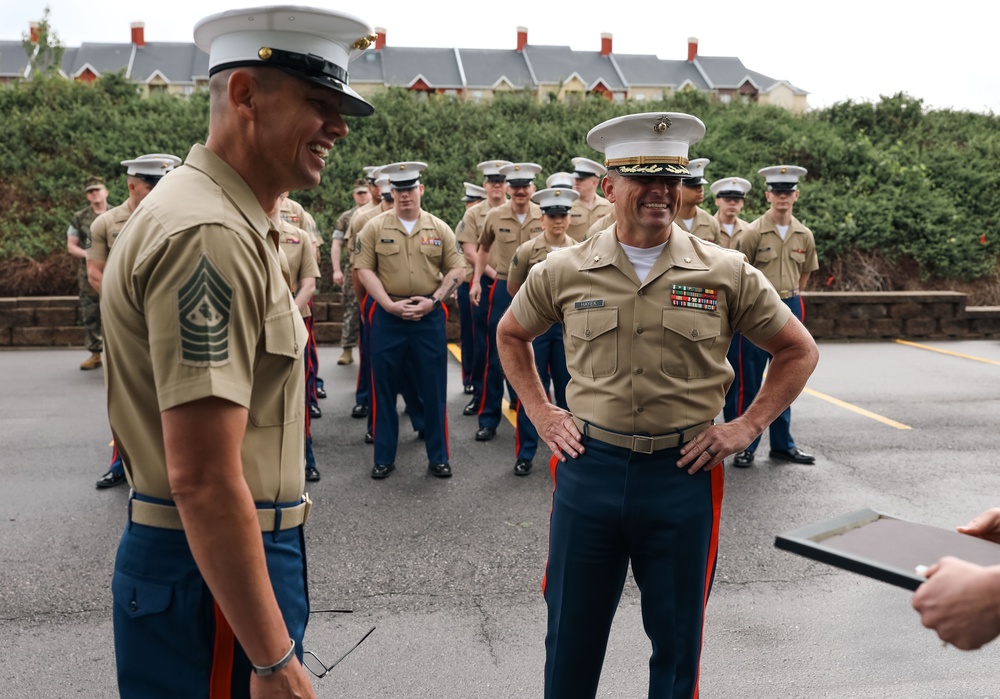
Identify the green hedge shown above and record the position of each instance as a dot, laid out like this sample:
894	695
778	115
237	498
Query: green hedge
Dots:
890	178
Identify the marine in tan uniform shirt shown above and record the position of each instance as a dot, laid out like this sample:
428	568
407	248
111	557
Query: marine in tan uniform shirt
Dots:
784	262
647	317
730	196
410	262
591	206
503	234
205	372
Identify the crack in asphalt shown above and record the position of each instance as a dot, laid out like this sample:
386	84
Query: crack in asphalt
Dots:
484	630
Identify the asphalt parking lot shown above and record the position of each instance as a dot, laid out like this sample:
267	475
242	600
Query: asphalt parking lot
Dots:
450	571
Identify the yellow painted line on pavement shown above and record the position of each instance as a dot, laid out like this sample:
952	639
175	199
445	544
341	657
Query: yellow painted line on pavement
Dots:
948	352
856	409
511	415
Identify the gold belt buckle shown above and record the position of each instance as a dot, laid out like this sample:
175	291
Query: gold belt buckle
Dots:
642	445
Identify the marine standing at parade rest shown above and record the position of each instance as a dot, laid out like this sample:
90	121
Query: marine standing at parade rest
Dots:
343	277
77	243
468	233
647	313
204	370
590	206
409	262
785	251
363	391
474	194
691	217
303	271
506	228
142	175
548	348
730	195
378	205
293	213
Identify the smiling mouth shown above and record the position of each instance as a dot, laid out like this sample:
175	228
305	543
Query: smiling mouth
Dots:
654	205
319	149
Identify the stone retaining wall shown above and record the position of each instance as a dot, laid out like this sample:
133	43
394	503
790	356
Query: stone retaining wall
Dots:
54	321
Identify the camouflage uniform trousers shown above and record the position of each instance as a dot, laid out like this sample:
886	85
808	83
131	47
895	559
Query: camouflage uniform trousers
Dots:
352	319
90	312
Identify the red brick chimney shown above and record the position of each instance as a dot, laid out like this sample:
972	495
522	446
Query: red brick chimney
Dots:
138	33
33	31
379	38
522	38
692	48
605	44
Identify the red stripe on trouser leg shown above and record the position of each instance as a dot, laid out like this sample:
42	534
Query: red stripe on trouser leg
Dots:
553	464
718	487
486	371
222	658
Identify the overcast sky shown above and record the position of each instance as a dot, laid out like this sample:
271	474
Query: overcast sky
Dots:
943	54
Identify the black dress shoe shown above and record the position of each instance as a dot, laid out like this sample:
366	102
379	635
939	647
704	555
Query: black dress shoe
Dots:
471	408
421	434
468	388
320	393
369	438
382	470
523	467
743	460
312	474
110	480
795	455
314	412
359	411
440	470
485	434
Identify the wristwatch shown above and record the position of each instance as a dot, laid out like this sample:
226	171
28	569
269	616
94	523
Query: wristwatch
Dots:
436	301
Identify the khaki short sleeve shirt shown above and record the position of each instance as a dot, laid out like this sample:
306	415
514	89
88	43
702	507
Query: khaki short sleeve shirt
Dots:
408	264
104	231
531	253
650	357
783	262
196	304
704	225
503	233
363	215
581	218
731	242
295	243
600	224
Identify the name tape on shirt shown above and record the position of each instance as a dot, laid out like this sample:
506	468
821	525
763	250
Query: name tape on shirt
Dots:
694	297
595	303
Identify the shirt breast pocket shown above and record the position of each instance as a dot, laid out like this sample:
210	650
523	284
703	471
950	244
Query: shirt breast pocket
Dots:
278	387
798	256
765	255
388	257
432	252
593	342
689	342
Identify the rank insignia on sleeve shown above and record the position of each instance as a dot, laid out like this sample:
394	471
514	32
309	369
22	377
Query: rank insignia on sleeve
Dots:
513	262
357	246
205	303
694	297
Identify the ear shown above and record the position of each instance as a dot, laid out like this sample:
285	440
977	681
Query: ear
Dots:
608	187
242	92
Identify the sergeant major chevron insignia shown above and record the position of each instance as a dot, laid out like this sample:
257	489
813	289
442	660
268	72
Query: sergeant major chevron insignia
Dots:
205	303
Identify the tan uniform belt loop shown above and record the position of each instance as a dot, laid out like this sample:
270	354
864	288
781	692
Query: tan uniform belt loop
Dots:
641	444
160	516
788	294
